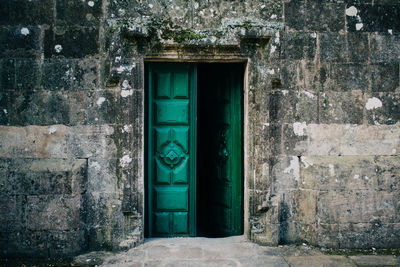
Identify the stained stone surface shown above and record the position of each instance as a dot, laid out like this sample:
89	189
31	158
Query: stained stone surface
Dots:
321	120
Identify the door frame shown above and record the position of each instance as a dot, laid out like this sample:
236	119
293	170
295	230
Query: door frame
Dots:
175	57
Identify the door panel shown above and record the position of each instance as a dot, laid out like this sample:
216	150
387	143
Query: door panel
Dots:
172	163
220	155
171	170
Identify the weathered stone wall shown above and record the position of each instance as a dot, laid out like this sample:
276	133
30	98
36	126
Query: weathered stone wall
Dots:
57	113
321	116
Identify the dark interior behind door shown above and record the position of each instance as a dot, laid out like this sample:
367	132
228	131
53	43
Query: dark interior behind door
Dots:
219	150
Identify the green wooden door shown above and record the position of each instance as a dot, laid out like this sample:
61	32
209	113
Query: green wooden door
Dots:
171	170
172	147
220	170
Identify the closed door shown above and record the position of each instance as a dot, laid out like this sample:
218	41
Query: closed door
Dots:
194	166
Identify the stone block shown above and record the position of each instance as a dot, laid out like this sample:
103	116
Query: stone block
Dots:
385	77
294	138
357	47
384	48
375	18
321	261
7	75
333	47
357	206
39	108
299	45
54	212
57	75
367	235
344	77
4	107
315	16
273	137
44	177
32	244
91	142
86	75
33	142
19	41
12	211
286	174
62	243
132	106
350	172
101	173
289	107
383	108
35	12
375	260
340	47
74	42
328	235
340	139
27	74
341	107
5	12
79	12
304	207
300	75
99	107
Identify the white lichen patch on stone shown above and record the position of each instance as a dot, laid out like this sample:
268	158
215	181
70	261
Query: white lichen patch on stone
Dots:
58	48
294	168
299	128
91	3
351	11
309	95
100	101
125	160
25	31
273	49
52	129
123	68
126	89
359	26
126	129
307	163
277	37
373	103
331	170
126	93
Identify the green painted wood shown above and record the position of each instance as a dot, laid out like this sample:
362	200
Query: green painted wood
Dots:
172	149
220	171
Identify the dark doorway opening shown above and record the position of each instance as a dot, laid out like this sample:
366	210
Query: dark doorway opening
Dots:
219	193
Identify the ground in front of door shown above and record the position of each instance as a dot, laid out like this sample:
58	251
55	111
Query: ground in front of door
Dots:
231	251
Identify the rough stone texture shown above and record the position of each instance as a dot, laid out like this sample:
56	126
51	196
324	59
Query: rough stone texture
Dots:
321	106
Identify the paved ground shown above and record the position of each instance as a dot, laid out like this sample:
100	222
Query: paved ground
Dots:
232	251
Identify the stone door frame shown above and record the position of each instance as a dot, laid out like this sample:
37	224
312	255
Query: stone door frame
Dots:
213	55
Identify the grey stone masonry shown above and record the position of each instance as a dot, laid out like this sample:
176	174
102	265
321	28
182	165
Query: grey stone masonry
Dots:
321	117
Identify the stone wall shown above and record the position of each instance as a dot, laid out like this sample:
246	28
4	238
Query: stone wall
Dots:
321	114
56	114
